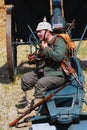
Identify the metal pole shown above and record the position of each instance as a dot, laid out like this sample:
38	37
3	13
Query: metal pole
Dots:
81	40
32	33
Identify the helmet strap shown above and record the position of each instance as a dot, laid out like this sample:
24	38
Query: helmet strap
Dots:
44	35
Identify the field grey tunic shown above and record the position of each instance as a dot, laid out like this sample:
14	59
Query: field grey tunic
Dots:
53	75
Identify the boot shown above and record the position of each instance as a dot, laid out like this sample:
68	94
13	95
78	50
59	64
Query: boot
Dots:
22	110
27	107
33	102
25	100
22	103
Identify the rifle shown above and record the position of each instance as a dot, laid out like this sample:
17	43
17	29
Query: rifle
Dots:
71	71
15	122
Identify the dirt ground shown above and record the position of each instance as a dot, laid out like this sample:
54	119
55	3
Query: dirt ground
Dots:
10	92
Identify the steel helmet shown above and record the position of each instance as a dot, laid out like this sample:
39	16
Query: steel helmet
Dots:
44	25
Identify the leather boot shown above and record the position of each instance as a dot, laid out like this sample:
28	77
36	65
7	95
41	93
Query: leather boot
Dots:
25	100
22	103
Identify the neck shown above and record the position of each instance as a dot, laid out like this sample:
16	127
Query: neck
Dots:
49	37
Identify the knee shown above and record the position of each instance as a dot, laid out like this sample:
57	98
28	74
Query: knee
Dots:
23	82
23	79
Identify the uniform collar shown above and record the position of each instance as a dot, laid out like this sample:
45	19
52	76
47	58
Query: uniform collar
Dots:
51	41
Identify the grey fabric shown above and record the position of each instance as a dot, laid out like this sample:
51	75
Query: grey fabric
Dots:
28	80
42	85
47	83
53	75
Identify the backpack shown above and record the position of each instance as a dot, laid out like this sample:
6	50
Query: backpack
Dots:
70	44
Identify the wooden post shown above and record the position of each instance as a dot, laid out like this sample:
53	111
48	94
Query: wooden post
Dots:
62	8
51	7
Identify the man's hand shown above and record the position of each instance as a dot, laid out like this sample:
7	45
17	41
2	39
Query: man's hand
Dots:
31	57
44	45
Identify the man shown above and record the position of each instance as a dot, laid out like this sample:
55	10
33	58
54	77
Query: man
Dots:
51	54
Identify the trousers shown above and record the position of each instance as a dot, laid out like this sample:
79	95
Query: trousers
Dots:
41	85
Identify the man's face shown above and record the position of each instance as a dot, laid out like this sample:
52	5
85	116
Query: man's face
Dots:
41	34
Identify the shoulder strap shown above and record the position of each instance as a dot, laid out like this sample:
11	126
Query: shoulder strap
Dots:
54	40
58	35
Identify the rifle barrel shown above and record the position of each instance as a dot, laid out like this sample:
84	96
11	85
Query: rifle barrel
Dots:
80	84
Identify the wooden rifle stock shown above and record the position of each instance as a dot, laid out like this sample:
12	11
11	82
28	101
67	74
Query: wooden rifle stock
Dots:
71	71
67	67
15	122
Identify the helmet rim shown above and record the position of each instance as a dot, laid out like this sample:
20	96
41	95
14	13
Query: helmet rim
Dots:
44	26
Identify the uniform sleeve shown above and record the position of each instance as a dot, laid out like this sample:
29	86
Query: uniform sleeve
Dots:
57	52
